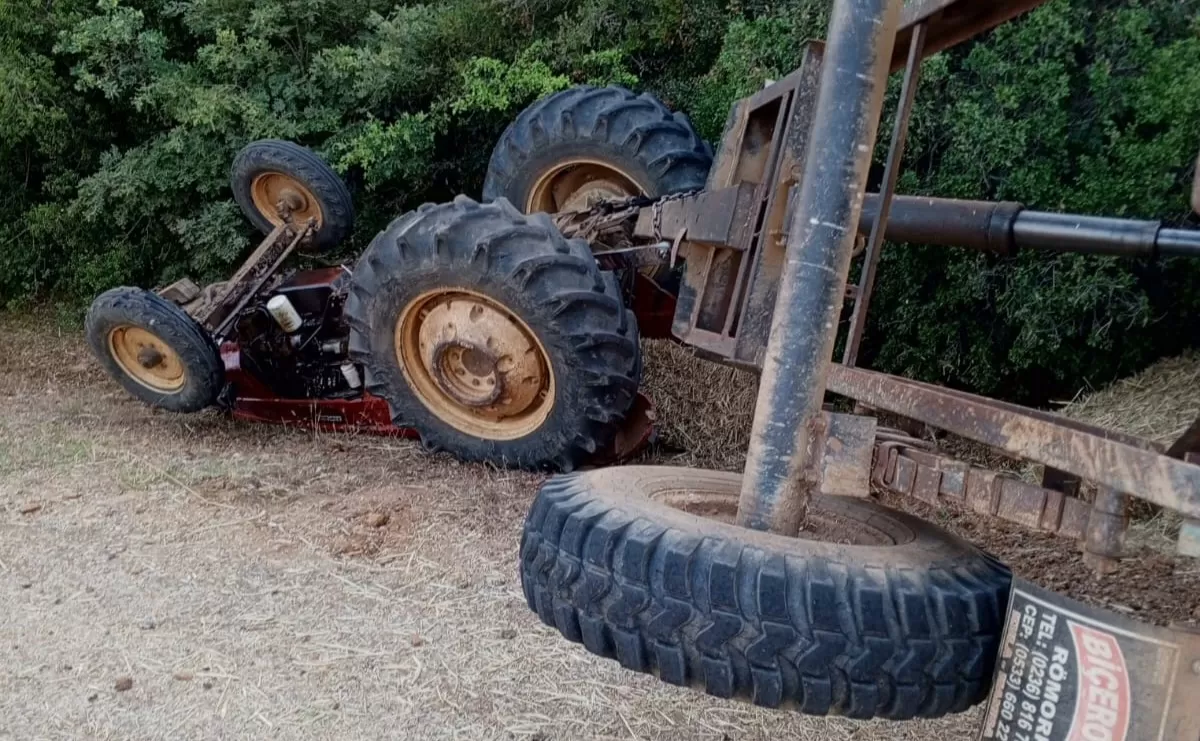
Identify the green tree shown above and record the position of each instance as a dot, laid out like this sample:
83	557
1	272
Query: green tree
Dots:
119	118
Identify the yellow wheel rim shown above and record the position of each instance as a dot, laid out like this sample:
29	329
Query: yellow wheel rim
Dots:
579	184
145	358
474	364
274	193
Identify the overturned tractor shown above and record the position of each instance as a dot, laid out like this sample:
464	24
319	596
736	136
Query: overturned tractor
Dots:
508	331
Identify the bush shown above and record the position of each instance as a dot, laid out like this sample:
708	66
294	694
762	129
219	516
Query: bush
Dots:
119	118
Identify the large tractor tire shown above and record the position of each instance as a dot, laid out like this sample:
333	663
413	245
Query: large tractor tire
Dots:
152	348
493	336
583	145
873	613
270	171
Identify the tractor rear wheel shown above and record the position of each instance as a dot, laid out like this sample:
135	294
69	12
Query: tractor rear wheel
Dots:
493	336
580	146
156	351
868	612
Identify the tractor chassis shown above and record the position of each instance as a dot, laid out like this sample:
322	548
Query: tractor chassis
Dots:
249	398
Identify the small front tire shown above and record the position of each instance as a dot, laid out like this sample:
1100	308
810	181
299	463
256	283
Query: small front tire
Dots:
152	348
268	171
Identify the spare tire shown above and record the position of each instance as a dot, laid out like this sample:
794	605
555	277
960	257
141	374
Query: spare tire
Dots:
644	565
585	144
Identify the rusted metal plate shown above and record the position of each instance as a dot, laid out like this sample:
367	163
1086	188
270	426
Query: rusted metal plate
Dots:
733	261
926	484
1069	672
932	478
252	275
1074	518
906	475
1052	509
951	22
954	479
982	491
1021	502
768	252
1123	463
885	463
849	448
717	217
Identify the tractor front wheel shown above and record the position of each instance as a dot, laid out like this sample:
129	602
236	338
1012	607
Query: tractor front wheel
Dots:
493	336
867	612
156	351
274	181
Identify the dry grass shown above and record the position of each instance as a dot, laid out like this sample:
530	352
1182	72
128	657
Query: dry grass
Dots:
705	410
1157	404
244	559
248	559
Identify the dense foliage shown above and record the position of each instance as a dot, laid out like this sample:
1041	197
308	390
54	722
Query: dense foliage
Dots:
119	118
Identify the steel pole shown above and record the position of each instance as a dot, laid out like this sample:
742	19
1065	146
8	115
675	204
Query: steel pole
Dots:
824	223
891	174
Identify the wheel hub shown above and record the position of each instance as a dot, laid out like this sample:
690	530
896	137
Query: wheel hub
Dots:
475	364
150	357
577	185
278	197
145	358
467	373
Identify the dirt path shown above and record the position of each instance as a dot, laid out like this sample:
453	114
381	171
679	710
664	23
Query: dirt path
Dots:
240	576
254	582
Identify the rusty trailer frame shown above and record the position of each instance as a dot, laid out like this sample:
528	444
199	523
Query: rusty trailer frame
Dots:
768	247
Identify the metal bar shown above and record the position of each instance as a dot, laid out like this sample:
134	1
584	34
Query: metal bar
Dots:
953	21
764	196
251	285
1105	538
1177	243
1106	460
866	281
780	475
1006	226
980	225
1057	419
1090	234
1188	442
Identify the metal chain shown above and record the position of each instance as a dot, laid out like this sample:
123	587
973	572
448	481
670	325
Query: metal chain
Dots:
664	200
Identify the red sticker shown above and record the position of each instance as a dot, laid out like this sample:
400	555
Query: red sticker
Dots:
1102	696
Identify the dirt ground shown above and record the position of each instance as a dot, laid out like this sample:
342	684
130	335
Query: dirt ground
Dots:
192	577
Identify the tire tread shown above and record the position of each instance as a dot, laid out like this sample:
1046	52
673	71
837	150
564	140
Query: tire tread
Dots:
824	637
